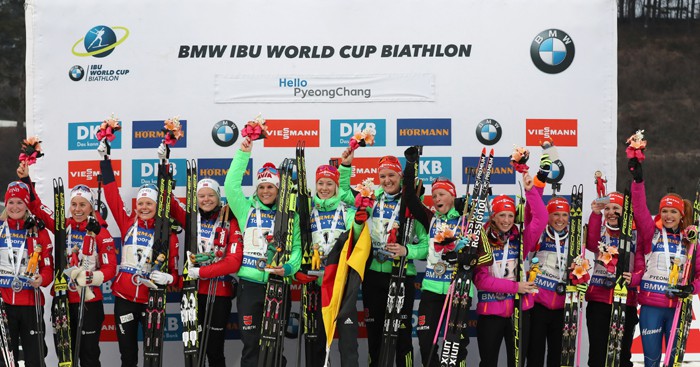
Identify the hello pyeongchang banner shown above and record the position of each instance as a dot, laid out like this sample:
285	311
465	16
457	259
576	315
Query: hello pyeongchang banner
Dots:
454	76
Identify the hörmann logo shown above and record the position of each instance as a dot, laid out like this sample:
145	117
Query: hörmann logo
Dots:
430	168
563	132
85	172
502	173
422	131
217	168
149	134
145	171
286	133
343	130
82	136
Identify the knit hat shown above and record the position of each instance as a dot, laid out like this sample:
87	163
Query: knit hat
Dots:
327	171
557	204
268	174
84	192
672	201
616	198
148	191
209	184
502	203
390	162
17	189
445	184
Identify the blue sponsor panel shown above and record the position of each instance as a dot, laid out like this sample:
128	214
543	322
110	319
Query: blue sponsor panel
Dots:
106	287
149	134
217	168
145	171
83	136
502	172
430	168
436	132
343	130
172	330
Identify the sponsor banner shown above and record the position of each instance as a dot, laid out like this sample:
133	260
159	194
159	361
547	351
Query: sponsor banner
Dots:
287	133
343	130
145	171
216	169
85	173
324	88
426	131
563	132
149	134
502	173
363	168
109	329
430	168
82	136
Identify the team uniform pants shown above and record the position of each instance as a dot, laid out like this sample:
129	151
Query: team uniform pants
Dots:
127	316
375	289
546	329
22	322
429	311
93	317
598	323
655	324
492	330
220	312
347	329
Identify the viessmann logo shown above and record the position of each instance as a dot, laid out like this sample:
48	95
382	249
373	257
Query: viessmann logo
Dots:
82	136
85	173
363	168
286	133
563	132
424	132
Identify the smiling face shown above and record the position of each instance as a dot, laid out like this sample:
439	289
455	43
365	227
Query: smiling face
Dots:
390	181
207	199
612	214
16	208
443	201
267	193
325	188
80	209
558	220
504	220
670	218
145	208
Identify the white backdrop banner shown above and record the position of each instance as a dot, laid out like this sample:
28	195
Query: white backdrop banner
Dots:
487	73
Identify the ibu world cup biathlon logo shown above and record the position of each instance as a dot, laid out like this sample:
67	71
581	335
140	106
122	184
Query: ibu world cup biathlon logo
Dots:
100	41
552	51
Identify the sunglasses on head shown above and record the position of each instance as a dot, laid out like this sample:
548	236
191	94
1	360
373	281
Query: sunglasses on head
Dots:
445	179
272	170
18	183
389	159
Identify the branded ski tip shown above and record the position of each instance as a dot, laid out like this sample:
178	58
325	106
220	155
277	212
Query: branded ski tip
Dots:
491	152
483	150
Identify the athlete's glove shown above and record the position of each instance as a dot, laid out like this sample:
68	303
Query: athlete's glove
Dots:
682	291
192	270
411	154
103	149
635	169
162	151
93	225
86	277
161	278
545	168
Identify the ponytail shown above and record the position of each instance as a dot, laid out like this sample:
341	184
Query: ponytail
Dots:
687	214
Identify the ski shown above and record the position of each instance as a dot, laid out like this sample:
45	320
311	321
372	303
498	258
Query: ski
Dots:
311	291
275	310
459	296
8	357
517	319
572	295
619	305
60	315
188	303
684	309
155	308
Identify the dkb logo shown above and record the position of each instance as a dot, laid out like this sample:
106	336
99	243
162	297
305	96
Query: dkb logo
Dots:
81	136
343	130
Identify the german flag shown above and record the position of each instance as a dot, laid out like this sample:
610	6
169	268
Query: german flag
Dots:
345	269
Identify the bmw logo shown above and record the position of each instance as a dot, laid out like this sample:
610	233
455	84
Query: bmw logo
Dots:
552	51
557	172
76	73
224	133
489	132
